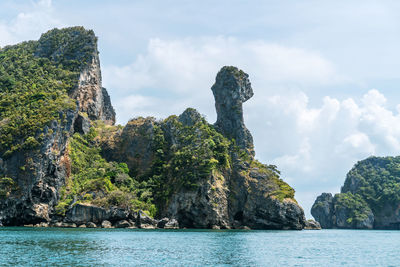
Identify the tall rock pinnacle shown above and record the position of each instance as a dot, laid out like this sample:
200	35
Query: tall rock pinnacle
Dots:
77	44
231	89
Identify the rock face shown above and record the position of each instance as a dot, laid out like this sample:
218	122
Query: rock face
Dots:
195	174
333	212
132	145
82	213
44	173
40	173
231	89
81	46
242	194
323	210
369	198
312	225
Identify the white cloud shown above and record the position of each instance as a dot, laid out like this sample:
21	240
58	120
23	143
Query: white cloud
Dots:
29	25
313	146
186	69
314	138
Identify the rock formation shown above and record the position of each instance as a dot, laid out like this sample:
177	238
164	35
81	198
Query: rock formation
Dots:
40	173
369	198
80	170
231	89
80	45
237	194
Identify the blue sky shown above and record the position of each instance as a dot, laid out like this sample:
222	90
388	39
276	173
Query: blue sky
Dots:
325	73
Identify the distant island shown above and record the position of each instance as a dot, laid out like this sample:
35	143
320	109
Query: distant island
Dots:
369	198
64	162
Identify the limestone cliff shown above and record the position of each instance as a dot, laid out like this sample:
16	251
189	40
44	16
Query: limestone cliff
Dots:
231	89
63	162
369	198
80	46
207	175
34	162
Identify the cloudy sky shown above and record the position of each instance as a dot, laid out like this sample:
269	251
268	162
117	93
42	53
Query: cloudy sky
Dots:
326	74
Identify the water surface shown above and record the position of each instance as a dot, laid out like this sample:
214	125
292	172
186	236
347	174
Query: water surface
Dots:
114	247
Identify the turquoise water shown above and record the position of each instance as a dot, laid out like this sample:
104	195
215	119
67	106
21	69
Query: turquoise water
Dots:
114	247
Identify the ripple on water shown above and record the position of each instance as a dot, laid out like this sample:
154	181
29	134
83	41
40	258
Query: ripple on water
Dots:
119	247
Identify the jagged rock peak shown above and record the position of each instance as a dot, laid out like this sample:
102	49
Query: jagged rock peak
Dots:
74	43
76	48
189	117
231	89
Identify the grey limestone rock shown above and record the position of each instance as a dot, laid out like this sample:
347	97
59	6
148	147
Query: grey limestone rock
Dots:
312	225
231	89
323	211
82	124
40	173
144	221
331	213
81	213
106	224
122	224
91	225
172	224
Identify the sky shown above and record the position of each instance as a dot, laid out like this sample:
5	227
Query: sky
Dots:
325	74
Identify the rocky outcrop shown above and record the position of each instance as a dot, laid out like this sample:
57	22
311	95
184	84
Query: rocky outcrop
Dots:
93	98
39	173
368	199
83	213
195	174
145	221
231	89
80	45
323	210
312	225
339	212
133	145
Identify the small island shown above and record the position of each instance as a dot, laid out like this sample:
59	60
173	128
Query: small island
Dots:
369	198
64	162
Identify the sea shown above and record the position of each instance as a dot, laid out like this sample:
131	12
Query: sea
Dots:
24	246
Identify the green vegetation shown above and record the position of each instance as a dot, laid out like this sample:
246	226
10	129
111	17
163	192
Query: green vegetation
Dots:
197	153
376	180
7	186
283	190
356	206
93	180
69	48
198	149
35	79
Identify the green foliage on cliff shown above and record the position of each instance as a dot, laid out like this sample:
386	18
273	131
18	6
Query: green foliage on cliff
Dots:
7	185
196	150
70	48
33	92
376	180
35	78
94	180
357	210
